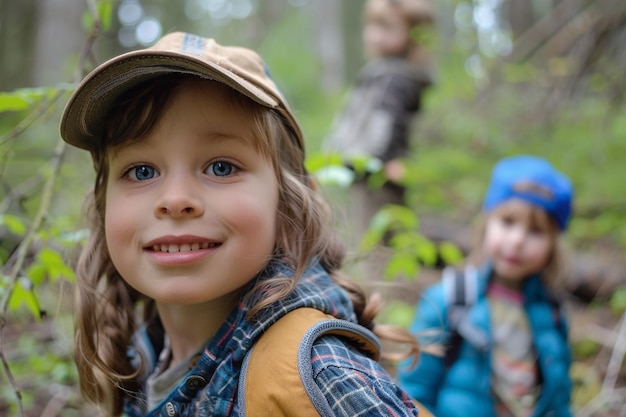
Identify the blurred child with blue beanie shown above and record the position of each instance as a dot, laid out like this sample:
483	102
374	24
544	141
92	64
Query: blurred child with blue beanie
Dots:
505	335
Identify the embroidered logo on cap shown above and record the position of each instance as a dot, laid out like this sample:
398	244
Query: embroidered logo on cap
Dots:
194	45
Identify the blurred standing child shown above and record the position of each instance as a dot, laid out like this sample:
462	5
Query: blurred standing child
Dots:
508	352
207	230
377	119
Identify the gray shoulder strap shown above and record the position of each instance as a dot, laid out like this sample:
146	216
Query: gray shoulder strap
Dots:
460	288
358	335
290	341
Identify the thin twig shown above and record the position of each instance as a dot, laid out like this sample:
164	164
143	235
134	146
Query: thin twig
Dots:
57	402
7	371
609	393
613	397
600	335
32	117
617	357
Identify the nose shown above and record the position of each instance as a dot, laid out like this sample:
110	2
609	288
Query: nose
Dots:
180	197
517	235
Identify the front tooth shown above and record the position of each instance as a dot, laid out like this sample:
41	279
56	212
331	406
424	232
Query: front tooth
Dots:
164	248
173	248
185	247
195	246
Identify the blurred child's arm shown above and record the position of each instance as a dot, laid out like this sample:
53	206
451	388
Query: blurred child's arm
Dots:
394	170
423	381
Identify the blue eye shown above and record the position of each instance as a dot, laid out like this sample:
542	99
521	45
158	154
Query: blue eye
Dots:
221	168
142	173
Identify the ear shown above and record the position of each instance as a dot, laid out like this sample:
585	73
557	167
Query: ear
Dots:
312	183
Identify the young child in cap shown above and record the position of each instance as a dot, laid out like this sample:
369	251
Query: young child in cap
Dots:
507	347
206	231
381	108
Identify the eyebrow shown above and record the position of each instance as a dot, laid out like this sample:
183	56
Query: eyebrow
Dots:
225	137
214	135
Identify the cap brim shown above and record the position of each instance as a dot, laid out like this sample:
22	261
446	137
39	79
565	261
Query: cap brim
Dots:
83	117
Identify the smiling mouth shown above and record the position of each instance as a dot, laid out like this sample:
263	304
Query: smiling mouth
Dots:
185	247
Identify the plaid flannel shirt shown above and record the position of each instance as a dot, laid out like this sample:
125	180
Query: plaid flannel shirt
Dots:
353	384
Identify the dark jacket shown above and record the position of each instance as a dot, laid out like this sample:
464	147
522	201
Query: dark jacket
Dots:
377	118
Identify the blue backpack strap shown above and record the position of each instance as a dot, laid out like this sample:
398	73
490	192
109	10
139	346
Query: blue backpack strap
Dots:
460	288
276	378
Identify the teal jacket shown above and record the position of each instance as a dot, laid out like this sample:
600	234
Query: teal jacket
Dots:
464	387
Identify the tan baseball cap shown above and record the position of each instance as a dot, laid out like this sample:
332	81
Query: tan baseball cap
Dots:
240	68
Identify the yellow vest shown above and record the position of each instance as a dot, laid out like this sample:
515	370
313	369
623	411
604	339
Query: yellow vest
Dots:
276	354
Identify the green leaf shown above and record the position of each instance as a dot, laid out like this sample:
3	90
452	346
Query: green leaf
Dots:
403	217
378	226
23	98
335	175
13	102
376	180
24	295
365	164
55	265
427	252
399	314
618	301
76	236
105	11
13	223
50	257
450	253
37	272
4	284
585	348
401	264
404	241
323	160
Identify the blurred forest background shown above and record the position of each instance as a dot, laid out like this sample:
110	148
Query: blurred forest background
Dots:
513	76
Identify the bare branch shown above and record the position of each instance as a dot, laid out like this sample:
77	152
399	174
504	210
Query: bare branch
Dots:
617	357
7	371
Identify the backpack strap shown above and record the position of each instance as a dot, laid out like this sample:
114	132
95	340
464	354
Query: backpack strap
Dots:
460	289
277	377
557	313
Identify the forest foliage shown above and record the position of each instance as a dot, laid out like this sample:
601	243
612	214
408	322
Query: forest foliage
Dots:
556	93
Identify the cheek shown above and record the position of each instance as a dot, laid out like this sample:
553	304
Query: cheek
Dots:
398	40
261	222
254	211
491	240
113	225
542	251
118	228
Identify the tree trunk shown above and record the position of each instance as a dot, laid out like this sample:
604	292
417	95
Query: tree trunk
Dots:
521	16
330	45
17	26
59	35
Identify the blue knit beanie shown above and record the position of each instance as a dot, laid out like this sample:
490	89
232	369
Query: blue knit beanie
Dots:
534	180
